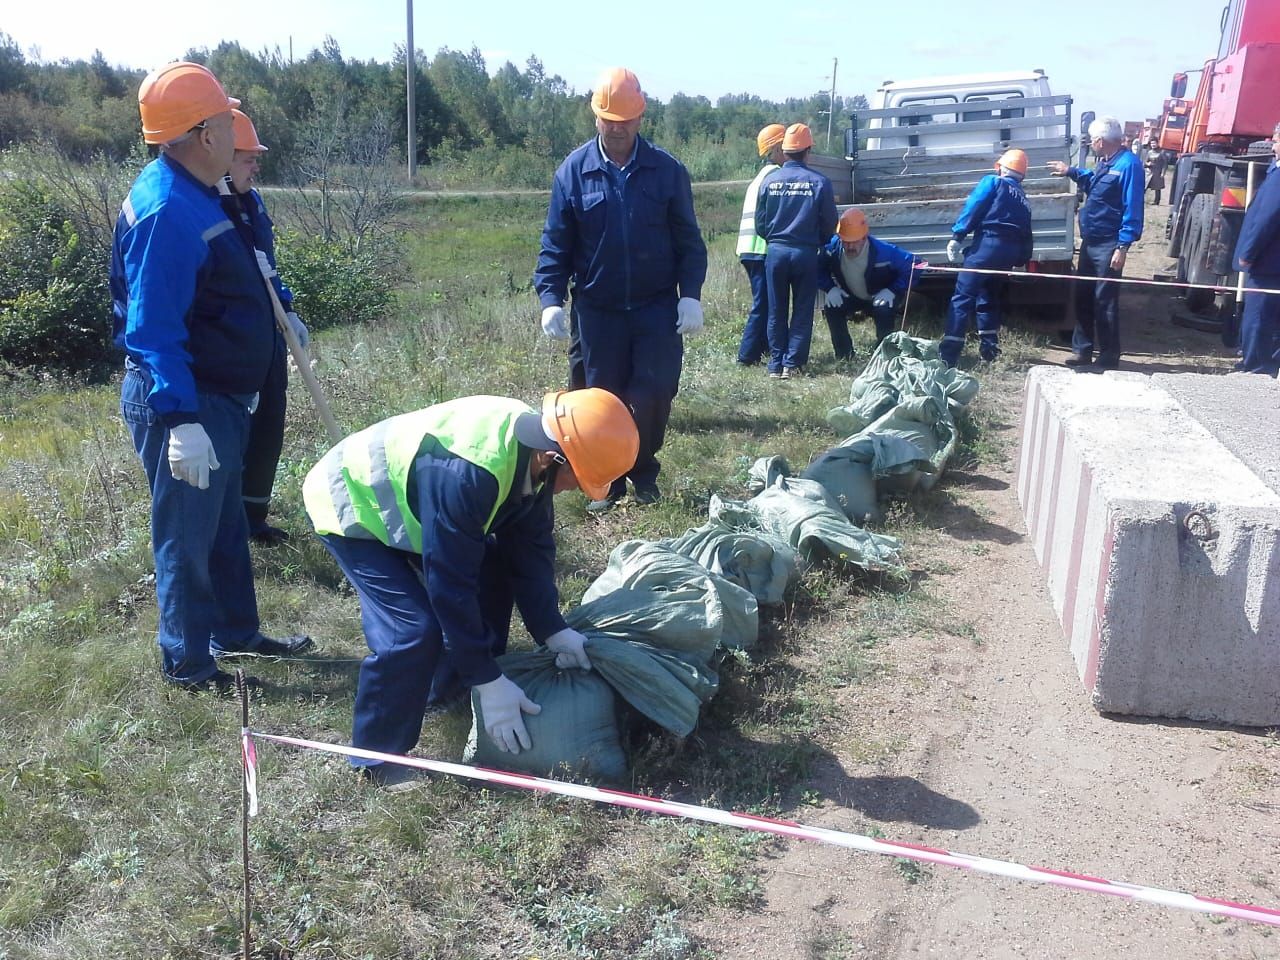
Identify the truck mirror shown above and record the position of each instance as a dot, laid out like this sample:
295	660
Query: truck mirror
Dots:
850	143
1178	89
1086	118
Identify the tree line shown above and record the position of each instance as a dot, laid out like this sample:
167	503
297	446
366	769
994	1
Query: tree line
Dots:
88	108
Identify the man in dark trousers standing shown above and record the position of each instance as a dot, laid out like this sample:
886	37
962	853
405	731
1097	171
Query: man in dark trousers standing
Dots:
621	228
795	213
1258	255
1110	220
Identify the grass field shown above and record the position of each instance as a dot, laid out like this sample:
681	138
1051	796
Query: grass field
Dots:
119	798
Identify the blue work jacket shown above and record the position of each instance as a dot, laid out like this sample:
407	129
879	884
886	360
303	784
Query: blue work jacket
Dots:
1259	242
189	305
453	499
996	205
796	207
1112	209
249	214
887	267
626	238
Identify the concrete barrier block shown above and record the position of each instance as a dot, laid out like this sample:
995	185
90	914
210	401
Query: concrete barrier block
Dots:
1161	549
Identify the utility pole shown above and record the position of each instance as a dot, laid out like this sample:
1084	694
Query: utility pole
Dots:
831	104
410	78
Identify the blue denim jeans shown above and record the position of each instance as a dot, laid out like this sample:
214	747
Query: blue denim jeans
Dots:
200	538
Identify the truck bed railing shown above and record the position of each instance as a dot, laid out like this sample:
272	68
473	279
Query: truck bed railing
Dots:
972	106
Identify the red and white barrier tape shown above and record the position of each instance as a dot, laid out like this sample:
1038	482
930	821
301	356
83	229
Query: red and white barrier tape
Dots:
788	828
924	267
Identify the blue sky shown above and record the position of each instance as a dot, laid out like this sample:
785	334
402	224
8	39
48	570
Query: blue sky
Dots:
1113	58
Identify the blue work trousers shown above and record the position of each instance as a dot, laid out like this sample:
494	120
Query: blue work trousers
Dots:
200	539
407	669
266	440
1097	305
977	296
838	322
792	276
755	334
637	356
1260	328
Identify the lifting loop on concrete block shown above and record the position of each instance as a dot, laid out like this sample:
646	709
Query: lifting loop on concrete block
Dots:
1198	525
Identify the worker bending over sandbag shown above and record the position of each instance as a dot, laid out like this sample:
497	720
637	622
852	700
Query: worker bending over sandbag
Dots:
442	520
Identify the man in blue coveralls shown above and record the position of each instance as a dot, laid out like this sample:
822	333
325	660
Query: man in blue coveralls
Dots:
191	313
1110	220
442	521
795	213
1258	255
621	227
244	208
860	274
998	216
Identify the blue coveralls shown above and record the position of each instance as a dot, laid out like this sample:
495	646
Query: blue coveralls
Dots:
628	240
266	429
999	218
1110	217
192	314
888	267
1259	246
795	213
435	623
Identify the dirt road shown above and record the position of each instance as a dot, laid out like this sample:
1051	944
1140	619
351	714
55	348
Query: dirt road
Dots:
1000	754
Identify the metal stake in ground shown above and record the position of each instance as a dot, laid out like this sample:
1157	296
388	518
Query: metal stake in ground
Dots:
242	691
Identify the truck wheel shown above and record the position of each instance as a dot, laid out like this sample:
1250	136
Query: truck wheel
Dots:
1195	251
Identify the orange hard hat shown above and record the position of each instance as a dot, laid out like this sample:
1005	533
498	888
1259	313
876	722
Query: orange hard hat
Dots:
177	97
769	137
246	133
617	95
1015	160
852	225
797	138
596	433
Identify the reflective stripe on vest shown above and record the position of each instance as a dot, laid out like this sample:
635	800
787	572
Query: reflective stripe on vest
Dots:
748	240
359	488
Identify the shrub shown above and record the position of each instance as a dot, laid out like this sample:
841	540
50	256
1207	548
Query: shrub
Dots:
55	305
335	282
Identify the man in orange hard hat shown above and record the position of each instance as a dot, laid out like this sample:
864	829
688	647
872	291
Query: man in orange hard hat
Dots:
751	250
450	530
795	213
860	274
192	314
998	216
244	208
621	229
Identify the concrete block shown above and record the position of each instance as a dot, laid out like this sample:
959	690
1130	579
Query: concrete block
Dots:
1160	547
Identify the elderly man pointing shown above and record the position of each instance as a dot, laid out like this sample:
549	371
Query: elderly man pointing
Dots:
621	228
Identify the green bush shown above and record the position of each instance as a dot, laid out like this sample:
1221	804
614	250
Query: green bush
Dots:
335	282
55	305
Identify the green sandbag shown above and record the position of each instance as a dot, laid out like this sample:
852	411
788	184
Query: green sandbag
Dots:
817	531
657	569
850	470
575	734
666	687
927	423
761	563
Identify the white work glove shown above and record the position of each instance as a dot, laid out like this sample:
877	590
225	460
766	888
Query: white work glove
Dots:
835	297
299	329
191	455
569	647
688	316
554	323
884	298
954	253
503	704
